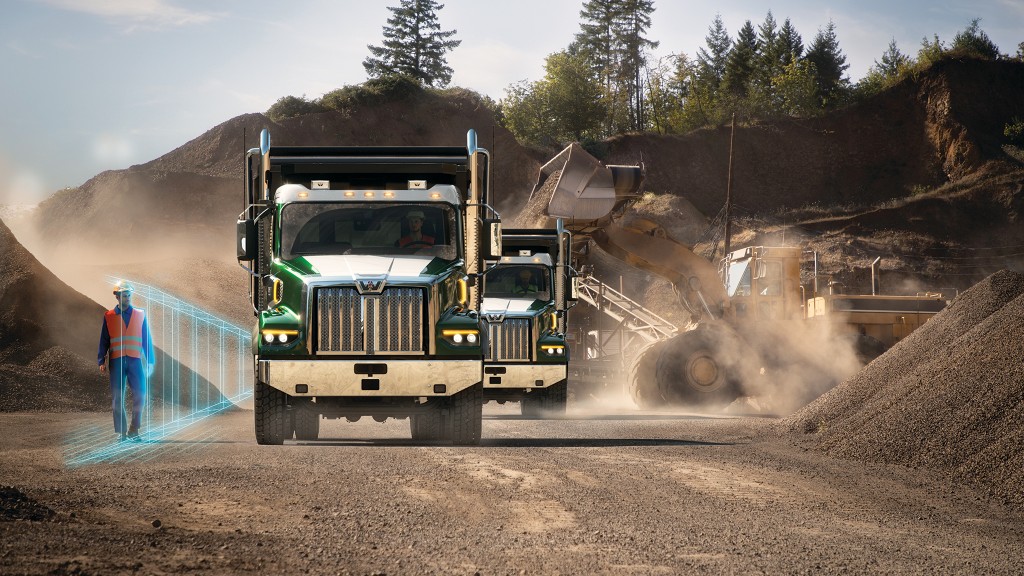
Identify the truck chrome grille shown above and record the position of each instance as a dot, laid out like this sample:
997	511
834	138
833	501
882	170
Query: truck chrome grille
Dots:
509	340
391	322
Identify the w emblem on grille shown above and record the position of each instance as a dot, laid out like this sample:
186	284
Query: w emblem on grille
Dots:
495	317
370	286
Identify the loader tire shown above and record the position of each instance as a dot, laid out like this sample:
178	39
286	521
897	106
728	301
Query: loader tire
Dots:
307	421
641	381
465	417
698	368
273	423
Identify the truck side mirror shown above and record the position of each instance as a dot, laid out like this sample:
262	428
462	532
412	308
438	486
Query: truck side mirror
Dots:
245	242
492	240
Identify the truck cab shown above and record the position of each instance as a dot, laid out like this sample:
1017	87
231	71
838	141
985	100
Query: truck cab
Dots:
364	265
526	296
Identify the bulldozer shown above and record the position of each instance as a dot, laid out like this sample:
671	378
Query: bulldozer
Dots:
740	309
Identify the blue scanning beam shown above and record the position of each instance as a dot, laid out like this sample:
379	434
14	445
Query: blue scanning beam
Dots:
201	370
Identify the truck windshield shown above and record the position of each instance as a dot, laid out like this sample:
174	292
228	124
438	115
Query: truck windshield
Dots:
512	281
320	228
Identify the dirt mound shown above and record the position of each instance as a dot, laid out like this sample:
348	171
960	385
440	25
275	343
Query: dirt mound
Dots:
950	396
195	190
917	174
49	336
15	505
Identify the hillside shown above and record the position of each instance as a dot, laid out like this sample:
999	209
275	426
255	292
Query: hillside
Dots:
918	175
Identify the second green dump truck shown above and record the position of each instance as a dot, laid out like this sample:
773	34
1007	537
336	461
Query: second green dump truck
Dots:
365	266
527	293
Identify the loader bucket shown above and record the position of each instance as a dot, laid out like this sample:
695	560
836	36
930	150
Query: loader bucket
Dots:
586	190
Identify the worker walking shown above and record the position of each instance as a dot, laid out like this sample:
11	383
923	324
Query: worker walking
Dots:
126	338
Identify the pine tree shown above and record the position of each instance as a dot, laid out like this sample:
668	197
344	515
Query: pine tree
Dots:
711	62
634	21
791	45
598	42
892	61
768	63
974	42
413	45
596	39
829	65
739	68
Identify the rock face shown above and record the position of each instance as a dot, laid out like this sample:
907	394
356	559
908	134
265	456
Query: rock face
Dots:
949	397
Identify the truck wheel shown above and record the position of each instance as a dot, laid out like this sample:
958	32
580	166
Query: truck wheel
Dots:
427	426
307	421
555	397
698	368
465	418
643	386
530	407
273	423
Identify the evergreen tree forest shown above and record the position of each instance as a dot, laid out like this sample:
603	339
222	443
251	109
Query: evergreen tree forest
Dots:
607	81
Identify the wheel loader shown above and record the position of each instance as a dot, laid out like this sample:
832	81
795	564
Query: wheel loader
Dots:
741	311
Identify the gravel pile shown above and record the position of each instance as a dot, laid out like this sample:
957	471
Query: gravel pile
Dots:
15	505
948	397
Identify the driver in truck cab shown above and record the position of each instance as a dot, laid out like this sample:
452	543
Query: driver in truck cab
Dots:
415	239
524	283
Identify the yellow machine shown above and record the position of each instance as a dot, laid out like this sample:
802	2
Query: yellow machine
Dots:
736	309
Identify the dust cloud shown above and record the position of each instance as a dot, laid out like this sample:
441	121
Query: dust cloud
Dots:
794	363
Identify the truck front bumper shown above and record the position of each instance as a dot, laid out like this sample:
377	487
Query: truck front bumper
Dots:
370	378
523	376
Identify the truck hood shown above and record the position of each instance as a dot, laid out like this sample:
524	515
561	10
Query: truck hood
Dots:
511	305
348	268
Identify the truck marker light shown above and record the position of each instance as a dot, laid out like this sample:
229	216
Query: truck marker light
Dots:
463	292
303	194
389	194
368	194
349	194
435	195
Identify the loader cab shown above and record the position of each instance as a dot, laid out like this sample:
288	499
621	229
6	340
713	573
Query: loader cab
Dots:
763	283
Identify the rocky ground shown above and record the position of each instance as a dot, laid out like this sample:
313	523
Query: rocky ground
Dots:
604	491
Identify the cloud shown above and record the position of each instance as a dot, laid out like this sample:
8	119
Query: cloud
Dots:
22	187
136	13
113	150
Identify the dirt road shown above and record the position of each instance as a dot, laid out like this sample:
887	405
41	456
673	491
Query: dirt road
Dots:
613	492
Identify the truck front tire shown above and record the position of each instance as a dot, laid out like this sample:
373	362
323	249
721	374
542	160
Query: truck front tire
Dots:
465	417
307	421
273	423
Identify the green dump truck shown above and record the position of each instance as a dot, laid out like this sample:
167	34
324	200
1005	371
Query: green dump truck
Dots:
527	293
365	267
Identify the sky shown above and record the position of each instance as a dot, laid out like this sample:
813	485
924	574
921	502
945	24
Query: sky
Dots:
94	85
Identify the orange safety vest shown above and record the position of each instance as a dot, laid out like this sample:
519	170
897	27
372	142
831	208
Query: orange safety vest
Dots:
125	340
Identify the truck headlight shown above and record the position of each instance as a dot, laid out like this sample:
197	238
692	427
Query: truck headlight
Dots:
271	336
460	337
552	350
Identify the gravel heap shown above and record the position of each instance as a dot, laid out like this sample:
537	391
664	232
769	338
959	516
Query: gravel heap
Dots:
15	505
949	397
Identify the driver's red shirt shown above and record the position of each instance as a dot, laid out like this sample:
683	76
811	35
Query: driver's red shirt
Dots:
405	241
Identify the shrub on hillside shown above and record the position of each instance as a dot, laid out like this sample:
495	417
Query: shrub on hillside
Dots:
373	91
292	106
